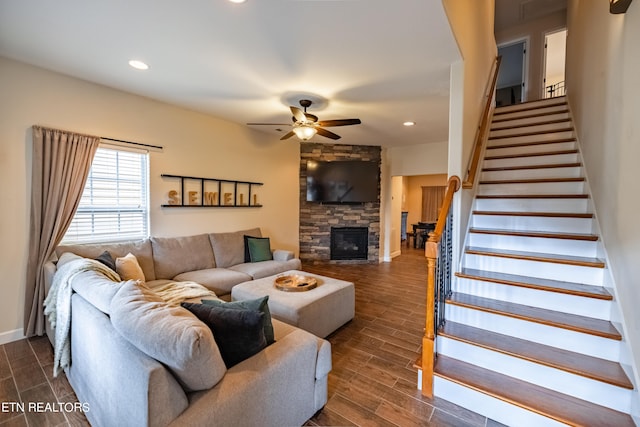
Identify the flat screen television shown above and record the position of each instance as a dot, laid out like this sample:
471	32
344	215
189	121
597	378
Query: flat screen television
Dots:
342	181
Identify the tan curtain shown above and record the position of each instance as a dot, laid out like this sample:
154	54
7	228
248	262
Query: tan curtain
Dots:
60	166
432	198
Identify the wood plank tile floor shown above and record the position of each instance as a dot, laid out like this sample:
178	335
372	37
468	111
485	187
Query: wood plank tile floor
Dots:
372	382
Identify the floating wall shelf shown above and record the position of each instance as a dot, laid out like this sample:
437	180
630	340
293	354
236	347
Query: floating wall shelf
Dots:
224	194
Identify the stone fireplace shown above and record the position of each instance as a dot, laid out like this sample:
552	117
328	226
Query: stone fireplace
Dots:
318	219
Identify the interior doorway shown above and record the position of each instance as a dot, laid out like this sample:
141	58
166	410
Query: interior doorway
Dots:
511	85
555	50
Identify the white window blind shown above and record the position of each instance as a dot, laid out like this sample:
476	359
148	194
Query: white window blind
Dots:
114	204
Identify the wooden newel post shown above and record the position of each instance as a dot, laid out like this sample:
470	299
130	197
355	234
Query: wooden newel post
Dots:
428	340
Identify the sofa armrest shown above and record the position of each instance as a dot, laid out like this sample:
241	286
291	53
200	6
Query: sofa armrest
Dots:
282	255
49	271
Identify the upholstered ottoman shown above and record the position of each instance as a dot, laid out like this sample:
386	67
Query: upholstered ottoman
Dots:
320	311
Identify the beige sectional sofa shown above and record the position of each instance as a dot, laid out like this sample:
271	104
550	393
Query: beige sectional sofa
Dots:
123	364
215	260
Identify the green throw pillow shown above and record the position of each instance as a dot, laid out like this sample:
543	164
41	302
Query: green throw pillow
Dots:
259	249
238	333
259	304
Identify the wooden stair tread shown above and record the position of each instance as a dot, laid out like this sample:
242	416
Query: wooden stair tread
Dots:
576	363
561	407
530	116
532	196
551	166
527	144
547	122
544	153
525	106
537	256
540	234
531	180
557	319
570	288
541	214
538	132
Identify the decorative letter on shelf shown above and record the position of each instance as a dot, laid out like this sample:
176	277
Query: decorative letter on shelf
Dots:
226	194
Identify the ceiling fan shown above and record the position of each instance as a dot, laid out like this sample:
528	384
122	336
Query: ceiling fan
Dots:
306	125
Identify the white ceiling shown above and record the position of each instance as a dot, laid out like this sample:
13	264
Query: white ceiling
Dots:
382	61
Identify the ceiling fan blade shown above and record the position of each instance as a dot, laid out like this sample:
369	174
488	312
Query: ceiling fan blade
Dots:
311	117
268	124
298	114
328	134
287	135
341	122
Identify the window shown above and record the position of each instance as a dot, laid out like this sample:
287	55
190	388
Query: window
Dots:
114	205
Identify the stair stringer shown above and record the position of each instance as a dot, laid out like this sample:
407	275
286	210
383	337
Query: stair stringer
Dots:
626	356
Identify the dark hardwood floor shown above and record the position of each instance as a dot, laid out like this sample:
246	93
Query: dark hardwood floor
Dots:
373	382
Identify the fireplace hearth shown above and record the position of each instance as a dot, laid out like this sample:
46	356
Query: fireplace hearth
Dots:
349	243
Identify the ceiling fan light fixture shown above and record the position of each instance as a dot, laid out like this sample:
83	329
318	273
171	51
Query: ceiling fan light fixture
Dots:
305	132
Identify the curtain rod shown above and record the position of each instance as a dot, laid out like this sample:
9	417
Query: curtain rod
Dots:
157	147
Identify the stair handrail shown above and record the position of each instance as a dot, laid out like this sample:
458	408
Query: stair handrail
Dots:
482	127
434	309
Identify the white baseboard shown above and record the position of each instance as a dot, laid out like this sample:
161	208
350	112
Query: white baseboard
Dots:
11	336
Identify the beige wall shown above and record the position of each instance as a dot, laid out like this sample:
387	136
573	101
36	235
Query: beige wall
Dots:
413	196
472	24
195	144
603	66
534	31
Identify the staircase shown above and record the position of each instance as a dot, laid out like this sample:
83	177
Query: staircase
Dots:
528	339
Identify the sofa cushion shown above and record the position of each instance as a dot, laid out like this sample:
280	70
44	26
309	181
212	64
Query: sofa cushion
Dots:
257	249
169	334
258	270
97	289
258	304
219	280
239	333
141	249
175	255
228	248
128	268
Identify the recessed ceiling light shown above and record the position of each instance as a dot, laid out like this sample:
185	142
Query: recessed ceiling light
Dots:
138	65
409	123
237	1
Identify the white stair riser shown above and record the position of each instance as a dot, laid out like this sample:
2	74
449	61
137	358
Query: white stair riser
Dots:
533	106
534	244
533	205
529	120
578	342
531	160
597	392
533	223
498	118
488	406
547	127
566	172
539	148
531	138
543	270
573	304
532	188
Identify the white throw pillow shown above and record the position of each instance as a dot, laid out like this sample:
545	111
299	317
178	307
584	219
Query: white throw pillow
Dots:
128	268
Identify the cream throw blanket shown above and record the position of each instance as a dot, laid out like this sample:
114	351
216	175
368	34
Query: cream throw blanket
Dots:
57	306
176	292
